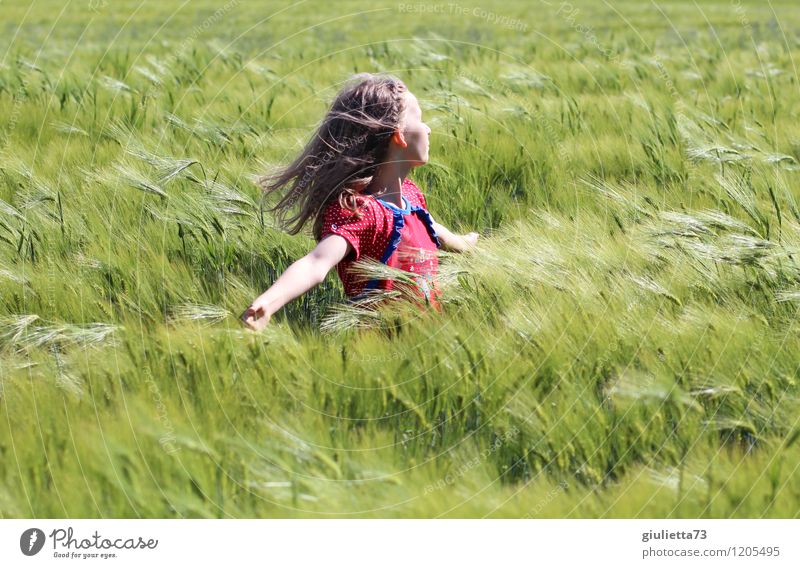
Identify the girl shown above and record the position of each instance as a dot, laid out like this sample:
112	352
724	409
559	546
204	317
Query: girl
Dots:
350	180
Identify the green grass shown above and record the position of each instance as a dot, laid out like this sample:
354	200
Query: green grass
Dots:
623	343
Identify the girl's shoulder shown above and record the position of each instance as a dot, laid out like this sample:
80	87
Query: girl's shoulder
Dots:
370	215
363	203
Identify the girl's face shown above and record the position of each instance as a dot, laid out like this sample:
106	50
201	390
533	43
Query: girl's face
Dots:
415	133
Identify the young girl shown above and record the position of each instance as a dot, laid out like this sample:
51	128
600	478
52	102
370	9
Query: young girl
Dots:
350	180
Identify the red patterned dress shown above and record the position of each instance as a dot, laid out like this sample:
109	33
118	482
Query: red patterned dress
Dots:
403	238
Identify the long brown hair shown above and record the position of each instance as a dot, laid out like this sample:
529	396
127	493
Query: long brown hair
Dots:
340	160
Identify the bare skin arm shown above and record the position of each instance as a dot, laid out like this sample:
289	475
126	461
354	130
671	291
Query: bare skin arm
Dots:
299	278
453	242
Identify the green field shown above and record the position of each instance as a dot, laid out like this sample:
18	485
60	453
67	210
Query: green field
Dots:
623	342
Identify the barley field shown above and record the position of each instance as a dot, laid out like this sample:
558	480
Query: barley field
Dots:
624	341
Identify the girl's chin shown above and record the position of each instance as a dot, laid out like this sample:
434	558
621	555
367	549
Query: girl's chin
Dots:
421	161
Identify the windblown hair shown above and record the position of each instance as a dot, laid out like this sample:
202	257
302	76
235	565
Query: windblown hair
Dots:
340	160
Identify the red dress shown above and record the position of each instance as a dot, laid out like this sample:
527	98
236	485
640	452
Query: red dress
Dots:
403	238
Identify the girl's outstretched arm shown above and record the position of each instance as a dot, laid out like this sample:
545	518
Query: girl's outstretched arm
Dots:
299	278
456	243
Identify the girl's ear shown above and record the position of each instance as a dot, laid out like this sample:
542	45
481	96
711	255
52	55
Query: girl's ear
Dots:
399	139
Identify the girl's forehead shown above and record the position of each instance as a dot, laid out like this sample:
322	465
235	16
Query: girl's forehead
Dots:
411	100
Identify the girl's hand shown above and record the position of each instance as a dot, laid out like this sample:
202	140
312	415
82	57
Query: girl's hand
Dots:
256	316
454	242
471	239
298	279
